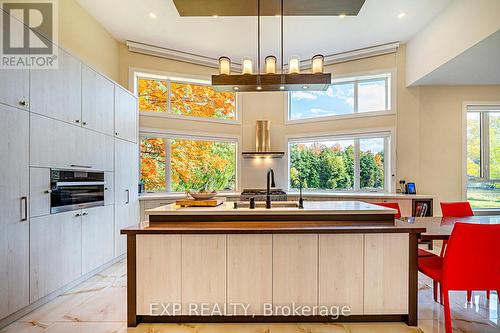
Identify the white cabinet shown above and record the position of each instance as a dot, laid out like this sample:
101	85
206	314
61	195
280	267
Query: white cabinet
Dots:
126	190
386	263
341	271
125	115
39	191
55	252
295	269
14	87
109	188
97	102
203	271
158	273
250	272
97	237
14	225
56	93
56	144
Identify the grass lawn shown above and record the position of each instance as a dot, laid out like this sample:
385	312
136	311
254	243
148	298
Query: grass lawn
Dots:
480	198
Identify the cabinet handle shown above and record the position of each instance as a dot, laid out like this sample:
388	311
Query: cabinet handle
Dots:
116	133
23	103
77	121
85	214
128	196
105	189
24	209
78	215
48	191
84	123
81	166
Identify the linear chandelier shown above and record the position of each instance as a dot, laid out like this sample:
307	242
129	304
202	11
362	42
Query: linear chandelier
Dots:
270	80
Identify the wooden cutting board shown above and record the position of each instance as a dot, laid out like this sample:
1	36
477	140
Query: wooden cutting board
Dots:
200	203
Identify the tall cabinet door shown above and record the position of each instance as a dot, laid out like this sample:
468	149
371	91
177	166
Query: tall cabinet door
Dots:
14	87
57	93
55	252
126	190
14	225
97	237
125	115
97	102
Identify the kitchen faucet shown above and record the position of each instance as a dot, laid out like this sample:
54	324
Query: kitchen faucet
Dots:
270	183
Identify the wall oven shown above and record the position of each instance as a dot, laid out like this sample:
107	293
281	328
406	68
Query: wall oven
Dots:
72	190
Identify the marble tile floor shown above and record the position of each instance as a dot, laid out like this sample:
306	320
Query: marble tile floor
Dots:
99	306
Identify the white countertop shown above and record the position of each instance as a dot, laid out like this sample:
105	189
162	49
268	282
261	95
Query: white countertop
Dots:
333	195
310	207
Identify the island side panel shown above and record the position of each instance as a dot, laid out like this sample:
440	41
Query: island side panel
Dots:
203	272
341	271
250	272
158	274
295	269
386	274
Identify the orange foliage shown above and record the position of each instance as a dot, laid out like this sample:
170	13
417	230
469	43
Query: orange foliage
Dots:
187	99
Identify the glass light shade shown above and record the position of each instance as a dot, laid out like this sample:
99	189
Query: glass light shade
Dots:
271	65
224	66
318	62
294	65
247	66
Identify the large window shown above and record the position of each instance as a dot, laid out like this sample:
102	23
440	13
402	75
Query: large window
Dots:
343	97
483	156
184	98
177	164
351	163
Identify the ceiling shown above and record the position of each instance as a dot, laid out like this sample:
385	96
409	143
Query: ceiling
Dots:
476	65
377	23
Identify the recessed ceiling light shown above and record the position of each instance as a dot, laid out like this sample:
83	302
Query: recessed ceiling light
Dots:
152	15
215	16
282	88
342	16
259	88
236	88
401	15
277	15
305	87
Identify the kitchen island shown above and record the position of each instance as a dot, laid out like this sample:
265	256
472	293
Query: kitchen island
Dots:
342	261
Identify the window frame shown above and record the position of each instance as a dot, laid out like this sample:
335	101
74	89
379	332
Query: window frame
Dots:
390	93
136	74
169	135
389	135
484	137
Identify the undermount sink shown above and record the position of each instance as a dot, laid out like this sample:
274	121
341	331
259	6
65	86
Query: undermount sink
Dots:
274	204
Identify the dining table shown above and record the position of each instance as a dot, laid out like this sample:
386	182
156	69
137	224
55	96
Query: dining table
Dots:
440	228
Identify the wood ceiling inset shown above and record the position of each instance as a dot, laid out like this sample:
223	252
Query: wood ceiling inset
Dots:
268	7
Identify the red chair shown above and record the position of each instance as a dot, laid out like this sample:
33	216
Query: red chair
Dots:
463	269
393	205
458	209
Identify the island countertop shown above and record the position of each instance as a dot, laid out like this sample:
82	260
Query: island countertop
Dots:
341	212
310	208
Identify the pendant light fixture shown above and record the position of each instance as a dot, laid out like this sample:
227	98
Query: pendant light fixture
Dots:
270	79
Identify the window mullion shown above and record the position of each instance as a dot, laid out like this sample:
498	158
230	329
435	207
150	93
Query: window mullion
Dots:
169	90
357	182
168	166
486	144
356	96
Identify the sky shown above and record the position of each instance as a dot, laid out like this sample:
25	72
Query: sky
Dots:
375	145
338	100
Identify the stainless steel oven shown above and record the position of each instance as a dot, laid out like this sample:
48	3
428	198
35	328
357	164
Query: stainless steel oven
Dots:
72	190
